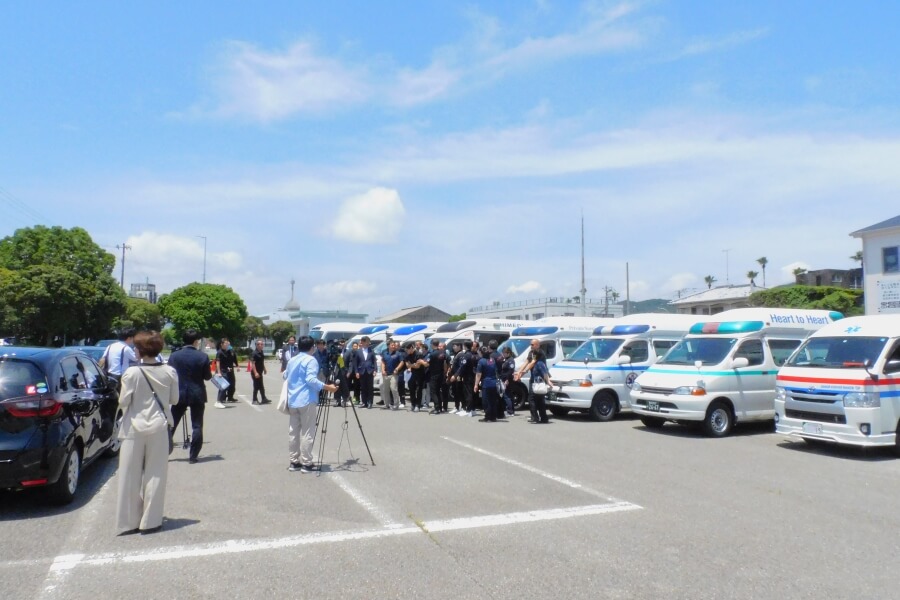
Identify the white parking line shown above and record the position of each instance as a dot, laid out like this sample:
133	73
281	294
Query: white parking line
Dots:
373	510
562	480
241	546
82	529
248	402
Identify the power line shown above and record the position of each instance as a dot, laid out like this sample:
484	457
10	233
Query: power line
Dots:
22	207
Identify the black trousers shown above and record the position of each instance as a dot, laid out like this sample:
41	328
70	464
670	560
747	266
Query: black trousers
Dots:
538	405
197	411
343	392
227	395
468	388
259	387
366	388
416	386
437	387
491	403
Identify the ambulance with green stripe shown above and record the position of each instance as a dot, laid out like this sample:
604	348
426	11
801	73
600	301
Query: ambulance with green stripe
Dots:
597	376
723	371
843	385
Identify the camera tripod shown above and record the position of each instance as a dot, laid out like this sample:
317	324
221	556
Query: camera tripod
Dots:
324	412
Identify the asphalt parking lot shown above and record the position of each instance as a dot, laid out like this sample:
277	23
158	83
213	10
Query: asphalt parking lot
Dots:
454	508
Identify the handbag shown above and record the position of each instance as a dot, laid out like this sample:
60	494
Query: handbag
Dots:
501	387
540	388
169	428
282	405
220	382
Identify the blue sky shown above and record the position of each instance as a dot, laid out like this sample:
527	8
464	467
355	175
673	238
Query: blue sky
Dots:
392	154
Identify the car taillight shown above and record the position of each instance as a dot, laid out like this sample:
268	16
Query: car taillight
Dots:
33	407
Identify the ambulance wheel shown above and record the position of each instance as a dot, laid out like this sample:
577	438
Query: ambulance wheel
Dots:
558	411
519	396
719	420
603	407
652	422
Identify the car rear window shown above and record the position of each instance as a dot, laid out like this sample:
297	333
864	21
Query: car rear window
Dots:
20	378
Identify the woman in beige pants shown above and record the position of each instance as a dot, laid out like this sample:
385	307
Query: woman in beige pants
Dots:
144	457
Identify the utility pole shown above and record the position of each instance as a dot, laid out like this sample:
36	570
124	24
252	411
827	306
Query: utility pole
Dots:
726	251
583	289
627	291
203	237
123	247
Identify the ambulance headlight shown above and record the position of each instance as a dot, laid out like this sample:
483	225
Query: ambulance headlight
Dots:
780	394
689	390
636	388
862	400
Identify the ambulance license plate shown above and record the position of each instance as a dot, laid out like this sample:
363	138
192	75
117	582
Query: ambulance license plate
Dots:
652	405
551	396
812	428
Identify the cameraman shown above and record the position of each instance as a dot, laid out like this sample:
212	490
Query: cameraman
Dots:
341	373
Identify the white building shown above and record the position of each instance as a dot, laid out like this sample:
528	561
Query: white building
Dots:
147	291
715	300
881	266
531	310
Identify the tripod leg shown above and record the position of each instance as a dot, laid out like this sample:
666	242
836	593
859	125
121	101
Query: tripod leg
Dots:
184	430
362	433
324	412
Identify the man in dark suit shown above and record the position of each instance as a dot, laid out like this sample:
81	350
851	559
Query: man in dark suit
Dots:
288	351
193	370
363	368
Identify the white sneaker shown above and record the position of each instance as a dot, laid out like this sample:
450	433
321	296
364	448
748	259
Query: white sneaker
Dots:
470	414
461	413
219	404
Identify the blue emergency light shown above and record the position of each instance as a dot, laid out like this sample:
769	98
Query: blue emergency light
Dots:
372	329
409	329
621	329
531	331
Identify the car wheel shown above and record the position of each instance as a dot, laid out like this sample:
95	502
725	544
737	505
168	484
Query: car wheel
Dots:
652	422
719	420
519	396
63	491
115	444
603	407
558	411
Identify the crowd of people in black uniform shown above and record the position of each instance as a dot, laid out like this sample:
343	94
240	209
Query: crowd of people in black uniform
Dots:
468	374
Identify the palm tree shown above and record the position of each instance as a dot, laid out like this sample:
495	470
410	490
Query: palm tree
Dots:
763	261
709	279
858	257
751	275
797	273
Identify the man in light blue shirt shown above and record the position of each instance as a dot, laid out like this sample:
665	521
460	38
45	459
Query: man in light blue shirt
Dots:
304	385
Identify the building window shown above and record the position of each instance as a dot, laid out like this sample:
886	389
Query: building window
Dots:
889	258
837	278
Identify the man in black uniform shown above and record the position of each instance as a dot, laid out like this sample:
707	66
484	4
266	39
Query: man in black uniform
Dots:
466	374
257	370
226	363
416	365
437	378
192	367
456	385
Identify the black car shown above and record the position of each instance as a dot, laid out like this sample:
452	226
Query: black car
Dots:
58	413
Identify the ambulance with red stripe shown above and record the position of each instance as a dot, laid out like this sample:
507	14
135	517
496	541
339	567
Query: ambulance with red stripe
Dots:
843	385
723	371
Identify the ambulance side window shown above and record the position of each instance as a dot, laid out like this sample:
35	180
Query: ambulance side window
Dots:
782	349
892	365
549	349
569	346
752	350
660	347
638	351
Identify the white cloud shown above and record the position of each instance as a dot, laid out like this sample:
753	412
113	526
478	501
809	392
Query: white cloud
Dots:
344	289
375	217
529	287
706	45
266	86
787	271
680	281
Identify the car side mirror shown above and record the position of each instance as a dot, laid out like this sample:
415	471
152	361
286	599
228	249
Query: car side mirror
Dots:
740	362
698	364
63	384
623	359
892	366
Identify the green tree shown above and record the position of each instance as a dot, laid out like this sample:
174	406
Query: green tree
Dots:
842	300
140	314
58	284
709	279
279	331
857	257
254	328
459	317
214	310
752	275
797	273
763	261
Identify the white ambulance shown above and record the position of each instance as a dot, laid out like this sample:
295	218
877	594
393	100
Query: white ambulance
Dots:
843	385
483	330
724	370
559	338
333	332
596	378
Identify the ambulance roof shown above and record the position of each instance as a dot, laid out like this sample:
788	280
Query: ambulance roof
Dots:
750	320
647	322
866	326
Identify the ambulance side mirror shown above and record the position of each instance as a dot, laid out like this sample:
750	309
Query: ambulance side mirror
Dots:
623	359
739	363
